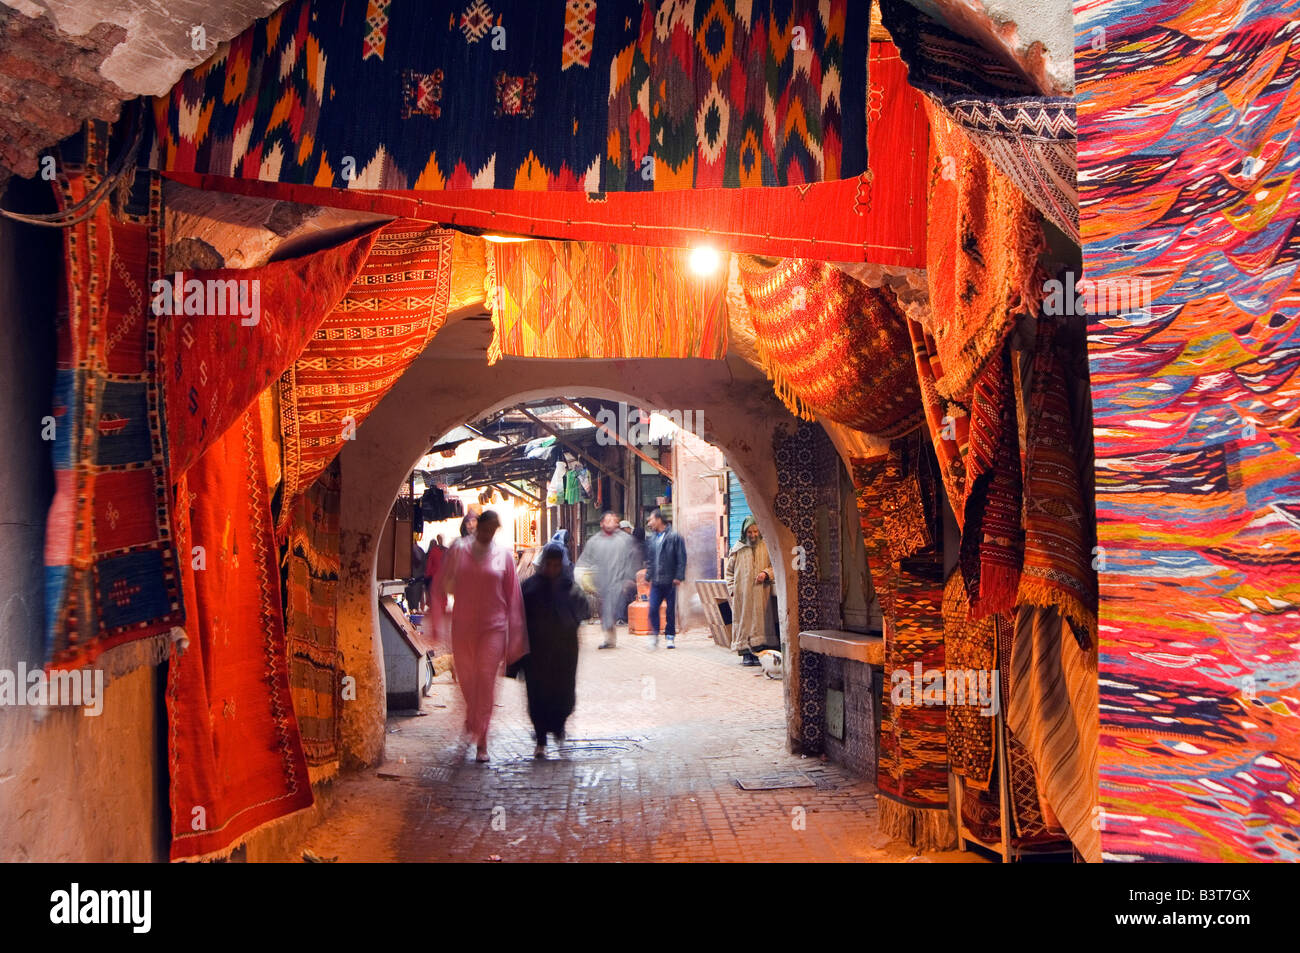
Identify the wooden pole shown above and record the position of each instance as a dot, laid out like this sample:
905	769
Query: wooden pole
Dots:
617	439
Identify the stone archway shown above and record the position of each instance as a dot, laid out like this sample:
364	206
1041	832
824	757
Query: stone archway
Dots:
441	390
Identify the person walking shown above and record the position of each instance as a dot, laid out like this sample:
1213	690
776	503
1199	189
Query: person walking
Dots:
554	607
749	586
486	621
609	555
666	563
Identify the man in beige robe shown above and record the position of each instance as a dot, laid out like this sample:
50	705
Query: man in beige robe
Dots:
749	585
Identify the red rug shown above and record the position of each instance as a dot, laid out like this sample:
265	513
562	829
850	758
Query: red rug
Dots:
833	346
235	759
394	307
216	364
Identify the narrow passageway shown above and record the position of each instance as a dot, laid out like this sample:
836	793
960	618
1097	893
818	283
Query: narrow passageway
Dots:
648	773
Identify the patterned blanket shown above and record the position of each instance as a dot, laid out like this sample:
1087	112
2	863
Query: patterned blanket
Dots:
395	305
1189	210
112	593
833	346
234	754
579	299
514	94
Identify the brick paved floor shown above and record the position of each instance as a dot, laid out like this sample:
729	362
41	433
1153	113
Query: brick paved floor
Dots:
647	774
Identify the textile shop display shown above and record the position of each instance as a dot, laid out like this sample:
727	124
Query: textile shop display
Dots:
311	578
1052	710
947	421
969	646
498	94
581	299
877	213
112	593
983	243
1031	138
992	540
912	768
1189	208
217	360
833	346
1057	568
235	758
394	307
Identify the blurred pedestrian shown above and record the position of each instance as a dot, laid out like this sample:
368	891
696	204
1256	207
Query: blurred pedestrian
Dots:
609	556
554	607
486	621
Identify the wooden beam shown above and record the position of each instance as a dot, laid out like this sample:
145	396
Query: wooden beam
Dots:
559	436
617	439
515	491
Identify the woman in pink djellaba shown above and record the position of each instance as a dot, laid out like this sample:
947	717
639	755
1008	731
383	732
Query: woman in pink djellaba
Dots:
485	623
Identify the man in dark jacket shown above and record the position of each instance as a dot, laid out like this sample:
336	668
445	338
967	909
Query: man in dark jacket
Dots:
666	565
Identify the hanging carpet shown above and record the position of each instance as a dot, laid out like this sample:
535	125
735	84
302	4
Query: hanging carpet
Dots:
992	540
833	346
912	769
112	592
947	421
311	577
969	646
234	754
983	243
586	299
394	307
440	151
1195	404
513	94
217	361
1031	138
1057	568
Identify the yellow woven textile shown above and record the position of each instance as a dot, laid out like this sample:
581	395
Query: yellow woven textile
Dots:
595	300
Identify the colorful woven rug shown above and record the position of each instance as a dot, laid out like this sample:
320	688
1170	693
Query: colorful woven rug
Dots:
1030	138
947	421
992	540
912	768
983	243
969	646
1057	568
234	754
311	576
218	361
833	346
580	300
512	94
112	593
1188	199
393	309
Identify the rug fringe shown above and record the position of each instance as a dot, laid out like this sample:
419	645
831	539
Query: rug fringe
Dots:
1037	592
225	852
924	828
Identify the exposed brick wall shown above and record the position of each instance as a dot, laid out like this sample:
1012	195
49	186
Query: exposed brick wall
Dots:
49	85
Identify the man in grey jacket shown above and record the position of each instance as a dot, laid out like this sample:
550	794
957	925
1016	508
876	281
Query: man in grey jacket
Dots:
666	565
610	555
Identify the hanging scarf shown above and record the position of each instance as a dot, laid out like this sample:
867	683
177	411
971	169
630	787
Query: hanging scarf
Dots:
992	541
1058	571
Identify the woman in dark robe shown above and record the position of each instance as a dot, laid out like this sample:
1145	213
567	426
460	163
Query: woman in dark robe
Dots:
553	609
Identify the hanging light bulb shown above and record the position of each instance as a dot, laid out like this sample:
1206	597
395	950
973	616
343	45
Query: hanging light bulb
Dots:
705	260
